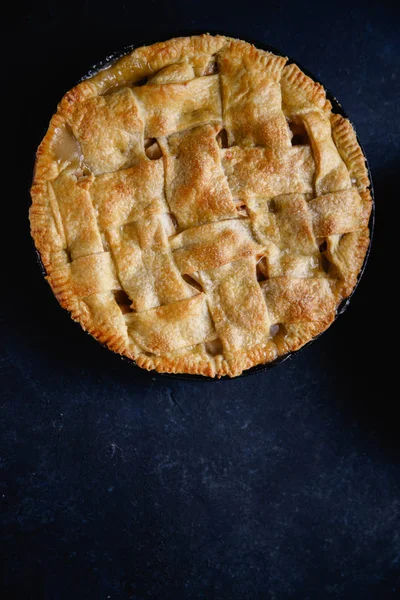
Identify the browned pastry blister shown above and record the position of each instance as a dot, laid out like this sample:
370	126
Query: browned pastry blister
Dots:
198	207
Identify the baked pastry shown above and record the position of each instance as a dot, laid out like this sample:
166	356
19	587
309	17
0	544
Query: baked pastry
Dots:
198	207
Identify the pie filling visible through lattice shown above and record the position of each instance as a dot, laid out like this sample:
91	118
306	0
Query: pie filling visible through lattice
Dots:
198	207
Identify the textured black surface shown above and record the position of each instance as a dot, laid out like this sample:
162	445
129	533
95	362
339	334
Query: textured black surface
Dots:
122	484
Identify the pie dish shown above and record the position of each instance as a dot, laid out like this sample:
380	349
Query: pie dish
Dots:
199	208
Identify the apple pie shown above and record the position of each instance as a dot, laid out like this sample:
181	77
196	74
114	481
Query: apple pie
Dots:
199	208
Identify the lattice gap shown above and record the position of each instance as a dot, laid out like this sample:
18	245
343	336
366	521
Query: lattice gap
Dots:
106	246
112	90
170	224
141	82
214	348
277	329
272	206
195	284
322	245
83	172
242	210
123	301
152	149
325	264
299	134
213	66
222	139
262	269
66	148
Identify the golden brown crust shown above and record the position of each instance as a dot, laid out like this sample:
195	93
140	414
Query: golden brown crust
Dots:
145	265
291	300
300	94
176	325
331	173
177	251
338	213
109	130
267	173
174	107
236	305
346	254
146	61
346	142
196	187
129	194
252	101
213	245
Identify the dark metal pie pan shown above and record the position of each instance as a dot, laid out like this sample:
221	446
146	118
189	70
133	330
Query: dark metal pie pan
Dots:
337	109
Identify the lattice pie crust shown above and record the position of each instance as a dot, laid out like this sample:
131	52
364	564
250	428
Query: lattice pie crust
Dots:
199	208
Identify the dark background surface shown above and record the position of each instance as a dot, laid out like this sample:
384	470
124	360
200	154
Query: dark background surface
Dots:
121	484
